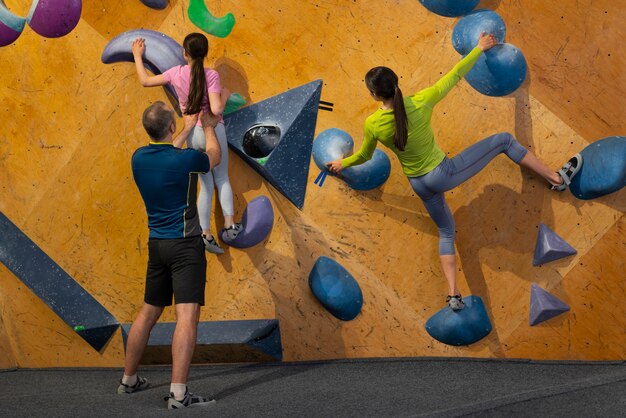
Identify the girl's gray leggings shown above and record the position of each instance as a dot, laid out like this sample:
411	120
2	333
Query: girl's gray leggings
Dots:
453	171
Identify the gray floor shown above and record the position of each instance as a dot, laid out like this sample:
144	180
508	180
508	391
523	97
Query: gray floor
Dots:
411	387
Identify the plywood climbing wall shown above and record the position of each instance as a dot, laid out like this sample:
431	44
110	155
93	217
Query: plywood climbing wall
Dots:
71	123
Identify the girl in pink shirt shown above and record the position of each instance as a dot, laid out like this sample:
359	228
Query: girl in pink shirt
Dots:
198	89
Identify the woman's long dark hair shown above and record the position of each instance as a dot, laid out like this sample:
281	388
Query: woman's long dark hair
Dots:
196	46
383	82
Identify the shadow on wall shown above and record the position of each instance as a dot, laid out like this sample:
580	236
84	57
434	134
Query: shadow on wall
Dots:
233	77
488	4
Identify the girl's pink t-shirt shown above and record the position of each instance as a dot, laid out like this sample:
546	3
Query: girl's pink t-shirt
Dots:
180	76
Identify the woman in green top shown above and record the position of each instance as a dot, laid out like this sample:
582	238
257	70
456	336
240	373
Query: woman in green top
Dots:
403	125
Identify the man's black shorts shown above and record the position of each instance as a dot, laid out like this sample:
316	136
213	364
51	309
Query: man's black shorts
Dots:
175	267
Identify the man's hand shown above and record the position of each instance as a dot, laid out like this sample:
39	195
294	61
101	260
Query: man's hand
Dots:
209	120
190	121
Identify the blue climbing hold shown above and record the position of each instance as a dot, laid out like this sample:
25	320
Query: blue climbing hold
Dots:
550	246
450	8
334	143
462	327
336	289
603	170
294	115
155	4
544	306
468	29
499	71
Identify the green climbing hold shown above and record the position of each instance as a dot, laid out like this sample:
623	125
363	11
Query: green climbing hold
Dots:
235	102
79	328
202	18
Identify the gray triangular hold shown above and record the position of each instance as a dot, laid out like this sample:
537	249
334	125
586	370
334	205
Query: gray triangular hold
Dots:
275	137
544	306
550	246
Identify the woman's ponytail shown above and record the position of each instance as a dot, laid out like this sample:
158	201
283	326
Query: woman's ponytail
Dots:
401	135
383	82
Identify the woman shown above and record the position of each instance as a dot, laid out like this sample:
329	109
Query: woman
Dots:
403	125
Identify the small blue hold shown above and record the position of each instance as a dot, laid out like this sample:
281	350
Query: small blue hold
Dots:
155	4
450	8
462	327
336	289
333	144
603	170
499	71
469	28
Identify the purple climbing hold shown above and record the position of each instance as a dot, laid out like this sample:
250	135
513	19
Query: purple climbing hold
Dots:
54	18
257	222
11	25
550	246
544	306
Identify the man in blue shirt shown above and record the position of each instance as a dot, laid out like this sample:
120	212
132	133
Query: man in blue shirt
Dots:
167	178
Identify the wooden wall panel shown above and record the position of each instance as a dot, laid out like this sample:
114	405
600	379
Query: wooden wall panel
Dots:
74	123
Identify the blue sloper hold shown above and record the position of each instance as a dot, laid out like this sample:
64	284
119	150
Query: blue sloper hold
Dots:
288	122
450	8
550	246
468	29
603	170
544	306
462	327
336	289
334	143
499	71
155	4
77	308
218	342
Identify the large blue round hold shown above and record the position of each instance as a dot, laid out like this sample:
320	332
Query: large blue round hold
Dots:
450	8
499	71
462	327
334	143
603	170
468	29
336	289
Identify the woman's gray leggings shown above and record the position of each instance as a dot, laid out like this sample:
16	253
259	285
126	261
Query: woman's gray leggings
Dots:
453	171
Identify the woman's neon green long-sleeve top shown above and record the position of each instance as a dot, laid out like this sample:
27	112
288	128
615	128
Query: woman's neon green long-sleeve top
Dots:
421	154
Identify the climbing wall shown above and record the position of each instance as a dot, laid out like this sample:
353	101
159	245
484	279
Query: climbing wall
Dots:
70	125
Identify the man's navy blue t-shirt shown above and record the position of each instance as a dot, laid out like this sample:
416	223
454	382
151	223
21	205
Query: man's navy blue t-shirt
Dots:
167	178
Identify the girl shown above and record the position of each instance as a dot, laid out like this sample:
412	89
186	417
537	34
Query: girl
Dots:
198	88
403	125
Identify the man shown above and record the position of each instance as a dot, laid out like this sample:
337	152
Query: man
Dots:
167	180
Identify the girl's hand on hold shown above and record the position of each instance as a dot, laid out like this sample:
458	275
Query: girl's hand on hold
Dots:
139	47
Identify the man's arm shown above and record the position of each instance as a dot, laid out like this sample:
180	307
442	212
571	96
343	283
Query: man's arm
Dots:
212	149
189	121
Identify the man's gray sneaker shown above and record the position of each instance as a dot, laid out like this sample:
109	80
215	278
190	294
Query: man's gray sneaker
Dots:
211	245
141	384
189	401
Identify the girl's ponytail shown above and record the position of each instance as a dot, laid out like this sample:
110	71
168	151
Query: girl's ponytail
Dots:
196	47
